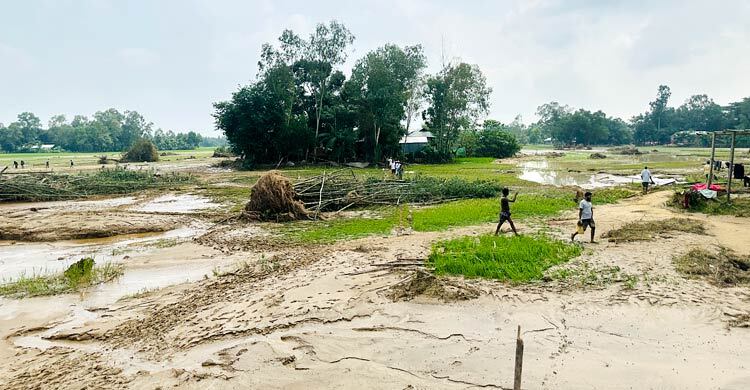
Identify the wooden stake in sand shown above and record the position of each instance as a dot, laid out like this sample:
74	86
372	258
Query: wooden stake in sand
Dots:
519	361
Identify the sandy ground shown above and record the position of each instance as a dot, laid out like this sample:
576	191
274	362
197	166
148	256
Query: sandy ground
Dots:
75	220
334	317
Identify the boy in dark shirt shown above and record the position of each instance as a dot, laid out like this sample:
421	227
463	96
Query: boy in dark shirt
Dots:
505	211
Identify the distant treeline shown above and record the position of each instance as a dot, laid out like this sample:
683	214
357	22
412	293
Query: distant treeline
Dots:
105	131
660	125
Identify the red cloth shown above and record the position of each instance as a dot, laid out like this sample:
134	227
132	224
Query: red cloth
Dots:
702	186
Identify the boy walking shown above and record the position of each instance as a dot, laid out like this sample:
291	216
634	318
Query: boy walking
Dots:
505	211
585	216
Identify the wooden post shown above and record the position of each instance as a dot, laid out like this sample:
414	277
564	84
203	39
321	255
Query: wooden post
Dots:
731	168
320	196
519	361
713	154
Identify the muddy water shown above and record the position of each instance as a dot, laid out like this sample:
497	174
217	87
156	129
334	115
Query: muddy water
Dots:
546	172
551	173
182	204
29	259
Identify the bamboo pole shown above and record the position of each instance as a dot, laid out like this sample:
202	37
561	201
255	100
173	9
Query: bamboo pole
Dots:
713	154
731	169
519	361
320	198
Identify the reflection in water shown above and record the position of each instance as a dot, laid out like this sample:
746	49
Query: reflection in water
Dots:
541	172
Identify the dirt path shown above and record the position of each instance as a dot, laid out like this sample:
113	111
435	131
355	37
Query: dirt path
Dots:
325	317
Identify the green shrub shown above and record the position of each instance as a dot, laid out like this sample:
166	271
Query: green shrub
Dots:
496	143
517	258
142	150
79	272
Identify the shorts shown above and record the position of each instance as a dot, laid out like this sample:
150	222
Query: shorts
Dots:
645	184
504	216
588	222
393	170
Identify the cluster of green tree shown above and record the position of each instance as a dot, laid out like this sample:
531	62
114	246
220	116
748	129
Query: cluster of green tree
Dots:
108	130
213	142
662	124
493	140
566	126
301	106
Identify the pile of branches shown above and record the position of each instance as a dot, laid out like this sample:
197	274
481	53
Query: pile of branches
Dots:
36	187
342	189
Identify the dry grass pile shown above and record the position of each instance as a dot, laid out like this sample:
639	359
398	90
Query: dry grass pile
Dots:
427	285
722	267
649	230
629	150
273	199
597	156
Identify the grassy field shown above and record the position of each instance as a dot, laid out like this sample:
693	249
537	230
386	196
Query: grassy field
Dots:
61	160
516	259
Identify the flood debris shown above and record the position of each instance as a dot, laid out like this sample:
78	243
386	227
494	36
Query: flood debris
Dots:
597	156
649	230
273	198
425	284
45	186
722	267
341	189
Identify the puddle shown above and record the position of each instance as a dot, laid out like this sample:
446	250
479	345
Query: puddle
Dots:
29	259
69	205
544	172
181	204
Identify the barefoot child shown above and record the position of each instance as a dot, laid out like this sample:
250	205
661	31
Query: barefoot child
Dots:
505	211
585	216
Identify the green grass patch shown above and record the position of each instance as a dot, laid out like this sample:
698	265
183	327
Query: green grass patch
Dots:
338	229
79	275
424	219
516	259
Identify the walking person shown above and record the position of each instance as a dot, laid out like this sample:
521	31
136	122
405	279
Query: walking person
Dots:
46	164
23	164
15	164
399	170
71	163
505	211
646	179
585	216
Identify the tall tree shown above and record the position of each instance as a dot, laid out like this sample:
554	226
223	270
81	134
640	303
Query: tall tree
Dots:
458	96
380	88
327	45
659	107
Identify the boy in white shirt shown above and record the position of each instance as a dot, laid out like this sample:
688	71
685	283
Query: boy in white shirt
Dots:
585	216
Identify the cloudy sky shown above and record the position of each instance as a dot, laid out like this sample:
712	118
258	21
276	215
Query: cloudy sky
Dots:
170	59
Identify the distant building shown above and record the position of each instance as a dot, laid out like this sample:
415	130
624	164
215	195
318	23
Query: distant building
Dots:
415	141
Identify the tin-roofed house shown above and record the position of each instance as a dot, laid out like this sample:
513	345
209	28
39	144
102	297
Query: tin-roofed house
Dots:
415	141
